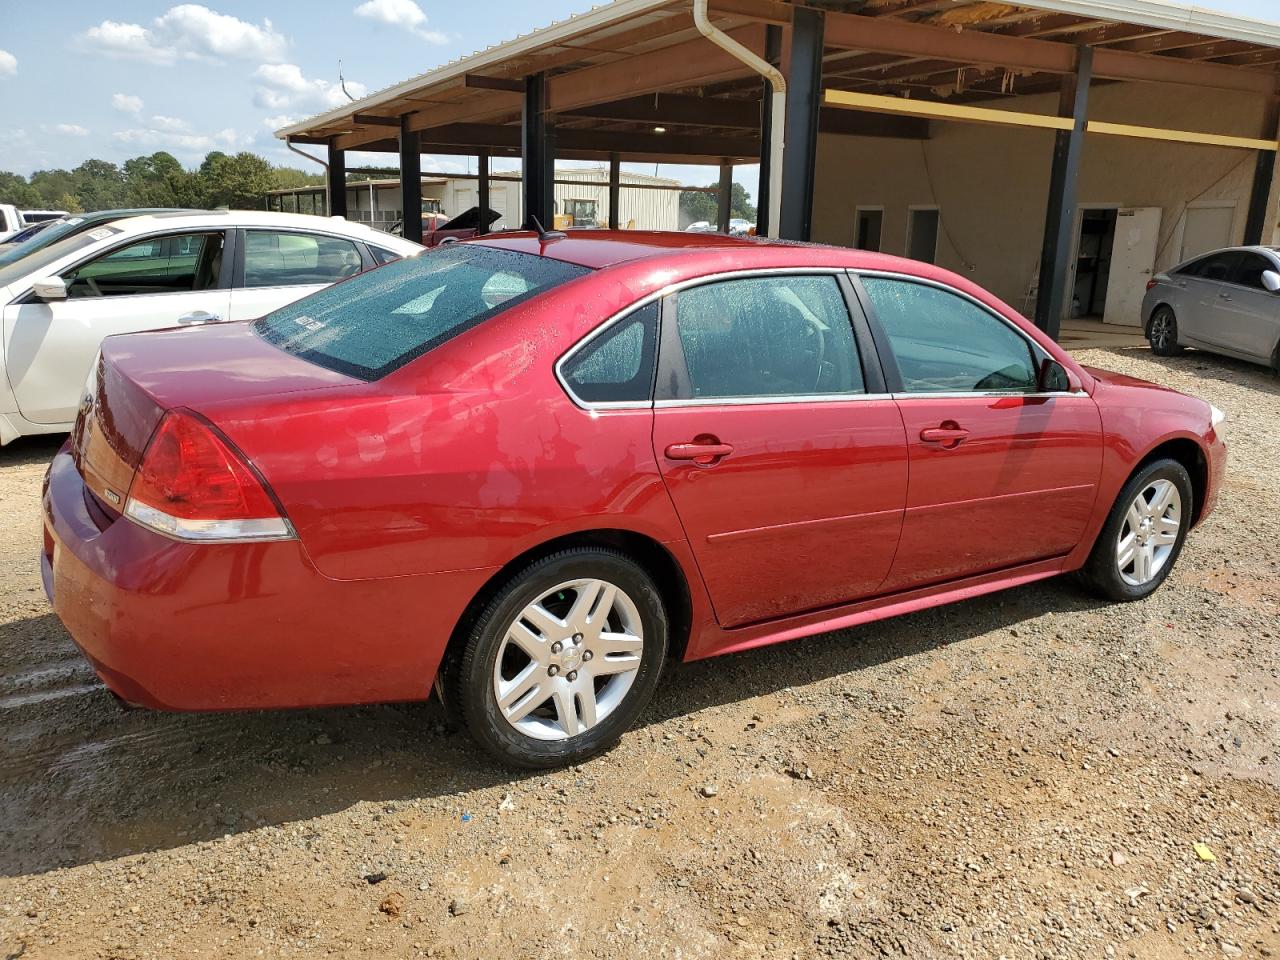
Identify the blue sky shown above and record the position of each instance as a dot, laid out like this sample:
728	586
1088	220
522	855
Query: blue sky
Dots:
118	78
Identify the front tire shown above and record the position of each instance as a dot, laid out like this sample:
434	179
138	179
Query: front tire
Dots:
1162	332
1143	535
563	660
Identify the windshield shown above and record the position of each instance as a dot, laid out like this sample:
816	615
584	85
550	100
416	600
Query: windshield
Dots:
376	322
44	254
54	232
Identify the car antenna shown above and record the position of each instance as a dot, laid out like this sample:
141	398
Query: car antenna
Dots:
545	235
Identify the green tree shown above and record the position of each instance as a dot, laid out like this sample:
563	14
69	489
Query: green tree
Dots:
704	204
100	185
240	182
14	189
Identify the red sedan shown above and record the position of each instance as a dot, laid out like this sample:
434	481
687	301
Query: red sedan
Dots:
530	469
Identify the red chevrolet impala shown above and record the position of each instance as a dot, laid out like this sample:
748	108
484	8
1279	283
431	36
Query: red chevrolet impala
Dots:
529	469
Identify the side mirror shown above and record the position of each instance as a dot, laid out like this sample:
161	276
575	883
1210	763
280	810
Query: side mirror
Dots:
50	288
1271	280
1051	377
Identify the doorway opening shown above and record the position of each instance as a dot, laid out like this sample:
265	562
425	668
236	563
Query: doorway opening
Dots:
1093	261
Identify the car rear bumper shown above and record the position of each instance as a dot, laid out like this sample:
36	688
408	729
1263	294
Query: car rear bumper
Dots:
236	626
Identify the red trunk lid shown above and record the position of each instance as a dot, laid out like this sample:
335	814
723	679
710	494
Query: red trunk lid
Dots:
140	376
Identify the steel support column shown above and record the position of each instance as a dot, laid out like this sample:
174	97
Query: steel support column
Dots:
538	166
772	53
804	95
1052	297
410	182
337	182
724	196
482	189
615	190
1255	231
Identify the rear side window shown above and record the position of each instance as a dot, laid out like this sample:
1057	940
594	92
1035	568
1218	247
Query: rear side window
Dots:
1216	266
378	321
766	337
617	366
276	259
381	256
944	343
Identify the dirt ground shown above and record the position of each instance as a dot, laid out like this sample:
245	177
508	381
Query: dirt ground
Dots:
1024	775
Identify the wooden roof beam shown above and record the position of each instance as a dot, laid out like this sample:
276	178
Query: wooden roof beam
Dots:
854	32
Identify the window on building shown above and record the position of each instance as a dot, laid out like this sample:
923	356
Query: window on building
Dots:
582	211
867	227
922	234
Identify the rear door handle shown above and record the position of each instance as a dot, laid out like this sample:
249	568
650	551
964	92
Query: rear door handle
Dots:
1225	296
948	436
199	316
700	451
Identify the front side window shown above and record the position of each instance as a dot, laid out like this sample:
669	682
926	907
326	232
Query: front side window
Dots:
617	366
766	337
1249	270
379	321
181	263
277	259
944	343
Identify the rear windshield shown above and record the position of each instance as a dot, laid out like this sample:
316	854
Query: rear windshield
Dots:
375	323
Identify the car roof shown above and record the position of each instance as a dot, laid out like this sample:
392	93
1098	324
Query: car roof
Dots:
255	218
604	248
600	249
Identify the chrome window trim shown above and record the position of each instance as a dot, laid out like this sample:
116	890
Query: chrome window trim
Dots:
669	289
764	401
1036	349
986	395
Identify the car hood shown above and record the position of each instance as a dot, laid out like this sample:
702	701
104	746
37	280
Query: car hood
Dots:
1111	378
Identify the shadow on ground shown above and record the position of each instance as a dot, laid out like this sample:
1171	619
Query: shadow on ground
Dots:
82	780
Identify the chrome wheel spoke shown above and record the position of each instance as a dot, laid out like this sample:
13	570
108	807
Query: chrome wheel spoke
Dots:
523	693
1142	564
1165	492
1128	550
549	625
586	697
528	641
566	710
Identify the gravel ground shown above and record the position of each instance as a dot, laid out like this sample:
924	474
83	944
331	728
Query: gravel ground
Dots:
1023	775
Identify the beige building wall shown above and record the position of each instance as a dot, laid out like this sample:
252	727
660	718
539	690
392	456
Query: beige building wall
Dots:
991	182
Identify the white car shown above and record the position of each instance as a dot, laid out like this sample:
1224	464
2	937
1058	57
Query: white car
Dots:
151	272
10	221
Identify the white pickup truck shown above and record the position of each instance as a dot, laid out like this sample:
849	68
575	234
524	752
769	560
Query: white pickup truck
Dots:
10	221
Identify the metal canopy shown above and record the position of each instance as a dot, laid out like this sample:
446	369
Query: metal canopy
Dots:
615	74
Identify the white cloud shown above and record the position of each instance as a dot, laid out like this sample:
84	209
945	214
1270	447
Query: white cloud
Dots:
275	123
8	64
282	86
404	14
172	124
68	129
188	31
180	139
126	103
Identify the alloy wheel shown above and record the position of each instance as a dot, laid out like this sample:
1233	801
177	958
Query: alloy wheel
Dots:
1149	533
569	659
1161	330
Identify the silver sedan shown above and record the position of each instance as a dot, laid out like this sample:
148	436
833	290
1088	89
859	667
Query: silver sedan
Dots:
1227	302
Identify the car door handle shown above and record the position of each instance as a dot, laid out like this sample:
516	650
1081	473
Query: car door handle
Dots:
948	435
699	451
199	316
1225	296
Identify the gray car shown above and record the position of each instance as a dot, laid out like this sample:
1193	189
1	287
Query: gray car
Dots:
1227	302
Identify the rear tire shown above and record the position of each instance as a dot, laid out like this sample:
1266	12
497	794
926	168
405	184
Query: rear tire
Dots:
562	661
1162	332
1144	533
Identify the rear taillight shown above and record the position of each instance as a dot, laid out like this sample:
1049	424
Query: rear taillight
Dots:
193	485
1152	282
